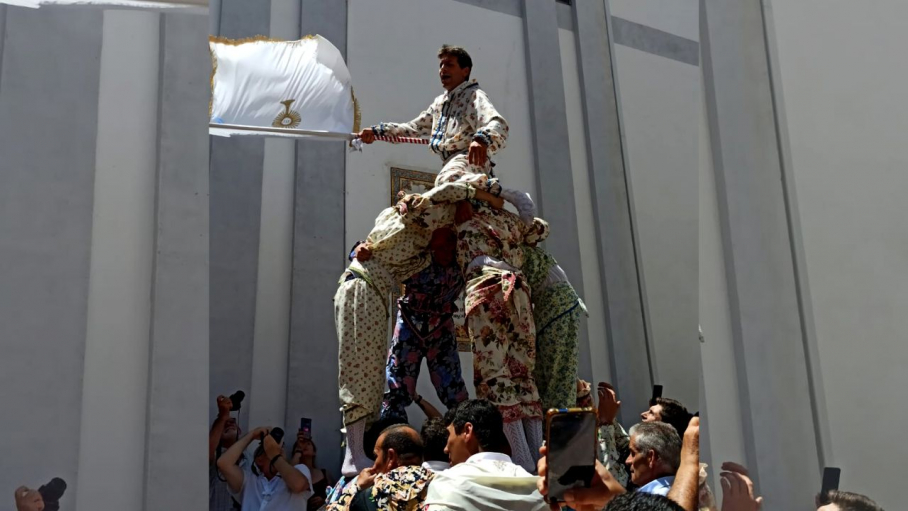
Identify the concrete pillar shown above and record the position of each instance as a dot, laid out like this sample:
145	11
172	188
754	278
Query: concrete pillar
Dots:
629	344
235	182
48	132
555	198
319	257
763	286
175	467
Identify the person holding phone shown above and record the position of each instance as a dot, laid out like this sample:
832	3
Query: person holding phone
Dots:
604	488
304	453
28	499
271	483
223	434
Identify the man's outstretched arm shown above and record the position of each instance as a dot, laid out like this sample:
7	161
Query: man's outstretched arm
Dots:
420	127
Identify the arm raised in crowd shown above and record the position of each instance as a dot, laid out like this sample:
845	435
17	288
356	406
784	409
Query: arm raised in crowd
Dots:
227	462
685	488
603	488
217	429
28	500
294	479
612	437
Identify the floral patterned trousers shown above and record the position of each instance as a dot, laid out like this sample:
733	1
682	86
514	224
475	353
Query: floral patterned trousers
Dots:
418	336
361	320
500	319
557	312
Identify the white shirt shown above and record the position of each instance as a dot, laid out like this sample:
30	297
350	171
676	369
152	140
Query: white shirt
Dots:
436	466
488	481
660	486
260	494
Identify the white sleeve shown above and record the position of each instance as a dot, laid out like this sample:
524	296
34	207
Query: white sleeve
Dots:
247	476
305	470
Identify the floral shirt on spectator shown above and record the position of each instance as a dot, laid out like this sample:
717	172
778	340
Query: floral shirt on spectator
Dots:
402	489
613	441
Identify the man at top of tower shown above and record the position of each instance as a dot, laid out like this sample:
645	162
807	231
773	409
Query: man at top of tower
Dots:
463	126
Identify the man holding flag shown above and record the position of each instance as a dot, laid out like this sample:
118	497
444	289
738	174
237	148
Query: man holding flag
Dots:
463	126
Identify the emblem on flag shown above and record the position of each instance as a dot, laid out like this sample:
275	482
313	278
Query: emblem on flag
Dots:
288	118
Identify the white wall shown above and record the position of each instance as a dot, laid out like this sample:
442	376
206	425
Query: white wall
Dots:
268	396
660	101
115	380
589	256
718	368
842	83
677	17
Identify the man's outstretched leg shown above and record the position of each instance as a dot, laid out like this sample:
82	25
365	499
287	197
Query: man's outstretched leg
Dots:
444	366
504	338
361	323
404	359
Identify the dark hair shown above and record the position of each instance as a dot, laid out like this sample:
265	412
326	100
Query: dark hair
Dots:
370	437
488	425
463	58
637	501
406	444
674	414
847	501
434	435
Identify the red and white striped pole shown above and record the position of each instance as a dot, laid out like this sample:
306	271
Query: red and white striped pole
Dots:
402	140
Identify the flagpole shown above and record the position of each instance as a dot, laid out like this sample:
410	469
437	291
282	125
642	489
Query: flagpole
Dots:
285	131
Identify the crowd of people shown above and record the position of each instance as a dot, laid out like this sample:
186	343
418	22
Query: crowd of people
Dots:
523	318
461	461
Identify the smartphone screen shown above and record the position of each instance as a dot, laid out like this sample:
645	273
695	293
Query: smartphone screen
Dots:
571	441
306	427
831	477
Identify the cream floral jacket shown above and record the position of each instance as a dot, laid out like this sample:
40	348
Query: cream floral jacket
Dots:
453	121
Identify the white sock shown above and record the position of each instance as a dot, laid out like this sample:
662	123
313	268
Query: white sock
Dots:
533	430
355	459
520	451
526	208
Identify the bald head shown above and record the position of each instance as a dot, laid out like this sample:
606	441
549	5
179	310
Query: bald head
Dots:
397	446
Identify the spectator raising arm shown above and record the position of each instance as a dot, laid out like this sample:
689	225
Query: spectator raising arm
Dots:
427	408
217	429
685	488
227	462
28	500
294	479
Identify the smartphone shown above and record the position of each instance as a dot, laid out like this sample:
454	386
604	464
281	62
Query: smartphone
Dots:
570	435
831	477
306	427
657	393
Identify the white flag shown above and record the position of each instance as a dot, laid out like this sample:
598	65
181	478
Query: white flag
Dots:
193	6
277	86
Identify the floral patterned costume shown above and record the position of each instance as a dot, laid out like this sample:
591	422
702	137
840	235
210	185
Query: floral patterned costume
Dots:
402	489
501	325
613	447
425	329
498	310
556	310
452	122
398	243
